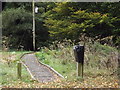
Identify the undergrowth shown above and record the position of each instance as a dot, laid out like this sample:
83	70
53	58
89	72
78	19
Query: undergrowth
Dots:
100	60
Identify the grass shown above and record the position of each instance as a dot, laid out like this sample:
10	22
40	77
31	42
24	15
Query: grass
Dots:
99	64
8	66
59	65
96	60
9	74
6	54
96	72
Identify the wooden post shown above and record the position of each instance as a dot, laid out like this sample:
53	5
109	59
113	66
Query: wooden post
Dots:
80	69
19	67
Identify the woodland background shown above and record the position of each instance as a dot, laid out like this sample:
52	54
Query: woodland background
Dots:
56	22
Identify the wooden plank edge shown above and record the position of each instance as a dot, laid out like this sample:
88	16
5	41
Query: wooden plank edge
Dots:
29	71
25	54
58	74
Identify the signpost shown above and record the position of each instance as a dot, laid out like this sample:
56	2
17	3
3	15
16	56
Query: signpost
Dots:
79	57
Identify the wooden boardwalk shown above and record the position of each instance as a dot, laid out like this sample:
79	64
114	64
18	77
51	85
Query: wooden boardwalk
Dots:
40	72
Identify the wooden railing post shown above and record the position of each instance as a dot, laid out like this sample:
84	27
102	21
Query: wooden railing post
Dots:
19	69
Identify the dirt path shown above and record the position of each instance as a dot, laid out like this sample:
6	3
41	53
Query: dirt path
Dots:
38	71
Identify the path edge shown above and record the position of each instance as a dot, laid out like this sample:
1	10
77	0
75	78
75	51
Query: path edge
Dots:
49	67
28	71
58	74
26	53
26	65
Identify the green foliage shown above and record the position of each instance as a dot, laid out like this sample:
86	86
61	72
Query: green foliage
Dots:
70	20
10	5
17	26
17	29
59	20
15	17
